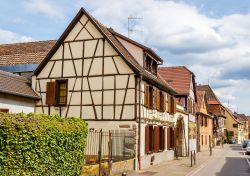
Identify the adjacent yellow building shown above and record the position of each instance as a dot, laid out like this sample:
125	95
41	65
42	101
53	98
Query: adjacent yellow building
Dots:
233	126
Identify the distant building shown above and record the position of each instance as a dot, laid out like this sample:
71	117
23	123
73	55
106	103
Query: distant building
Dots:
218	110
23	58
183	81
243	128
16	94
204	122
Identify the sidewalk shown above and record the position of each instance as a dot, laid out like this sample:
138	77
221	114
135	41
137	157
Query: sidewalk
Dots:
180	167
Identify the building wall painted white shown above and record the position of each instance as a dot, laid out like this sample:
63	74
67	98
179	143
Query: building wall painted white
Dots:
16	104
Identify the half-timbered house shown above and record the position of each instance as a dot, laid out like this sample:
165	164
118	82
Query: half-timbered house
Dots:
112	82
183	81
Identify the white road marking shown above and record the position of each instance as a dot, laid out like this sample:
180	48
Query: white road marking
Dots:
244	153
248	162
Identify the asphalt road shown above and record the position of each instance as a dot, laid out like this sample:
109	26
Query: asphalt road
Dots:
231	161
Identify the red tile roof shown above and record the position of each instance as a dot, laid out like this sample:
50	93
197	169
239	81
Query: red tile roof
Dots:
24	53
200	97
178	77
211	97
16	85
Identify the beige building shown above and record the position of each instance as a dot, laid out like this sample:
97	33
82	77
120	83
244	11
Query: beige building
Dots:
16	95
233	126
204	122
112	82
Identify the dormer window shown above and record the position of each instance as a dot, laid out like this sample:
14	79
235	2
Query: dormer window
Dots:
151	65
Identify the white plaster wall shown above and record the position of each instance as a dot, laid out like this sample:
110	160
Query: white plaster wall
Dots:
136	51
108	125
16	104
159	158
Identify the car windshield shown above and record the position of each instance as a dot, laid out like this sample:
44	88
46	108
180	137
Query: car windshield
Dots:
245	142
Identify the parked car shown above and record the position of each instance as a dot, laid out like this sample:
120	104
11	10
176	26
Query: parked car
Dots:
232	141
248	148
244	143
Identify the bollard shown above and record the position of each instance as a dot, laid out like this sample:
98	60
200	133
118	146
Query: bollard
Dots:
175	153
194	158
191	158
210	147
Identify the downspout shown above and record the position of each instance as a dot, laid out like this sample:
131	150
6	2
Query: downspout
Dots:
139	125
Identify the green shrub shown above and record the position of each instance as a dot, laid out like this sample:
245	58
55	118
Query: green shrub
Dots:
41	145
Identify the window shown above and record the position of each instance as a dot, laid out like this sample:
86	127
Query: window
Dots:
161	138
148	63
148	96
160	101
154	67
149	139
151	65
171	138
62	92
202	121
56	93
205	139
171	104
235	125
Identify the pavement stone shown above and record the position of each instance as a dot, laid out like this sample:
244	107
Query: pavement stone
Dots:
180	167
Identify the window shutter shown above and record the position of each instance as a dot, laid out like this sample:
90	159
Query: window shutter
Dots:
158	100
169	103
147	139
154	98
51	93
164	102
156	139
174	105
146	95
169	138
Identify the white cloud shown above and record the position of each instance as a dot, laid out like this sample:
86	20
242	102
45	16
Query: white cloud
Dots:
216	49
46	7
12	37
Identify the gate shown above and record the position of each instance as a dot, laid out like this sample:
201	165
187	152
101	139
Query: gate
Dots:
105	147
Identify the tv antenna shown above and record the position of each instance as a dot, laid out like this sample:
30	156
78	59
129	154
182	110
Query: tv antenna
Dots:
130	27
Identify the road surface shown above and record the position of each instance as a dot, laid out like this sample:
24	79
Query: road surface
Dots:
231	161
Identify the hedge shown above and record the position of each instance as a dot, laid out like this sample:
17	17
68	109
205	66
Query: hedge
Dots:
41	145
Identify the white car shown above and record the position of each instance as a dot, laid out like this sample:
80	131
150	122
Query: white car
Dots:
248	148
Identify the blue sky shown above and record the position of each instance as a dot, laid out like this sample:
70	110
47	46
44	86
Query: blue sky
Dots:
211	37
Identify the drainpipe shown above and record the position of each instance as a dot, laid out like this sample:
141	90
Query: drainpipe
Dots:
139	128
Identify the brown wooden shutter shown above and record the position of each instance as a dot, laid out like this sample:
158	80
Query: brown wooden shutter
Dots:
168	139
164	103
154	98
51	93
175	137
169	104
174	105
147	135
156	139
158	100
146	95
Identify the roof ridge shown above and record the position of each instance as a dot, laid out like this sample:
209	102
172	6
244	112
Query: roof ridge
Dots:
38	41
12	75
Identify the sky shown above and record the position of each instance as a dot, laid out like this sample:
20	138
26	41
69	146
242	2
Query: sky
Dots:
210	37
